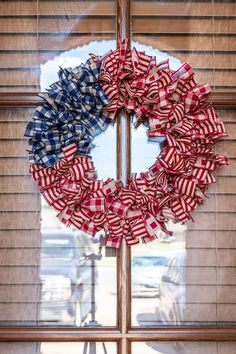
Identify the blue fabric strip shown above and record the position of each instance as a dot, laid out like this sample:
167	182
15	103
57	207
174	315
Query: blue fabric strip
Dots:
72	113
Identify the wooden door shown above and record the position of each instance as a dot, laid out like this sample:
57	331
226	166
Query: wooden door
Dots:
199	315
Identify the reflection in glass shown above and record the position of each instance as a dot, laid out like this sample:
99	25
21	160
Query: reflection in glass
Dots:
158	268
72	58
59	348
76	276
68	285
184	348
158	281
33	32
194	284
61	267
76	279
76	348
143	153
145	280
193	32
104	154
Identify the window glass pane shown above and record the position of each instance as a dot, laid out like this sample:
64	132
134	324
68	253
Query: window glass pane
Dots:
46	269
199	32
59	348
77	279
72	58
38	36
184	347
19	224
189	278
144	153
75	348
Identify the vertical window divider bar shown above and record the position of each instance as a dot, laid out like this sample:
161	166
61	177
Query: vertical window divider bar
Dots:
123	30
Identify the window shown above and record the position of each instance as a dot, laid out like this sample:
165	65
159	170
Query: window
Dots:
57	285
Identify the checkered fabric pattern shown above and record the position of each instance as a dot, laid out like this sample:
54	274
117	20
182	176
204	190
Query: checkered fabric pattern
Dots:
72	113
95	205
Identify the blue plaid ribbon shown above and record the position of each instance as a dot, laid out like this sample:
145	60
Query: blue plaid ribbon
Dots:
72	113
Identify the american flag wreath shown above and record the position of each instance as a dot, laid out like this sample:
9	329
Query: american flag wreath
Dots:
83	103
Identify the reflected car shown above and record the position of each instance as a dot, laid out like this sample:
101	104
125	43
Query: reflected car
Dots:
172	291
147	272
169	309
167	348
65	277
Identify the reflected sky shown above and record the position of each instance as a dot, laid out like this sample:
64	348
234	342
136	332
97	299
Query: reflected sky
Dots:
104	154
143	153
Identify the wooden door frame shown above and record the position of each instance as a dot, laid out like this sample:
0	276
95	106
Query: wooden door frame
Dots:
123	334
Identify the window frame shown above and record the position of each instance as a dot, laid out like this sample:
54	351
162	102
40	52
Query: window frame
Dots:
124	334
